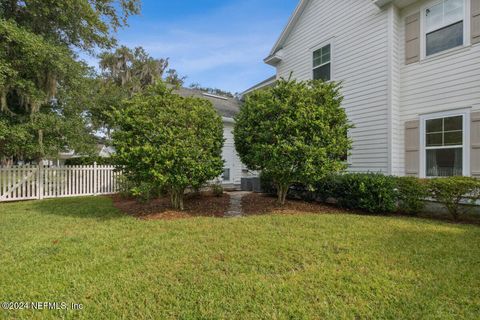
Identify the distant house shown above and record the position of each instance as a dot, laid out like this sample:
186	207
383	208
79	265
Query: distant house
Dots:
227	108
101	150
410	72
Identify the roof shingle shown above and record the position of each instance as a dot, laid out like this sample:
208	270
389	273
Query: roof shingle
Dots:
226	107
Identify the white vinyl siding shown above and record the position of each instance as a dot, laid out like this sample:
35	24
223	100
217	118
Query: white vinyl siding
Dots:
447	81
396	60
357	31
232	161
381	92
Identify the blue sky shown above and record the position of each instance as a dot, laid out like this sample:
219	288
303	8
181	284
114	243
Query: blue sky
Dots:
217	43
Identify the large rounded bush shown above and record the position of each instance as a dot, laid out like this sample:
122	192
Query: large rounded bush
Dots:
294	132
168	141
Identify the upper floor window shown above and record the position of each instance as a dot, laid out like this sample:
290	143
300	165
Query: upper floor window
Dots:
444	26
322	63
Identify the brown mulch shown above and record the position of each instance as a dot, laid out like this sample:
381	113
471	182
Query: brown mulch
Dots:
207	205
257	203
196	205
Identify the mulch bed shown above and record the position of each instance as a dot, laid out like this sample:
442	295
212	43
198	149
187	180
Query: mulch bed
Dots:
257	203
196	205
207	205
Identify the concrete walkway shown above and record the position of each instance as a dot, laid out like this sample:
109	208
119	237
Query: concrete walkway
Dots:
235	208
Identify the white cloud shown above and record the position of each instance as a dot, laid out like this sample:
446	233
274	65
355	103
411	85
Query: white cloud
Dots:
222	48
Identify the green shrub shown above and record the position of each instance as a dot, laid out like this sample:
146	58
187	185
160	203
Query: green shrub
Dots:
297	132
411	194
172	142
325	188
453	191
217	189
143	192
369	192
267	185
124	186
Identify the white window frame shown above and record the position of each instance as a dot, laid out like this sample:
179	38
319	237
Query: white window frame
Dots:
465	113
423	29
320	46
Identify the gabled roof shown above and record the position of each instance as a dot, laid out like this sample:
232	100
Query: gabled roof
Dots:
265	83
288	28
275	56
226	107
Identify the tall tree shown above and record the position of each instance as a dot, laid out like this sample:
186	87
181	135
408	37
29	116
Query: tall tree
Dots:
132	69
38	63
124	73
173	78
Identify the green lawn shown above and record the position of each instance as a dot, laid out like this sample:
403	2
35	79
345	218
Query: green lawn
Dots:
263	267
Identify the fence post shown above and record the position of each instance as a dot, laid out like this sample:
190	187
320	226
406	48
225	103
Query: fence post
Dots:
95	178
40	181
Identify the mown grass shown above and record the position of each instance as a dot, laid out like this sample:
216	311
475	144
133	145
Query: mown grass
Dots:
264	267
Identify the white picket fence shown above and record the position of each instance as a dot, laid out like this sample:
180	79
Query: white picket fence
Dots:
40	182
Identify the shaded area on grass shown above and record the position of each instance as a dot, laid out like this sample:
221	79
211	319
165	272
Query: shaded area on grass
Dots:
75	207
203	204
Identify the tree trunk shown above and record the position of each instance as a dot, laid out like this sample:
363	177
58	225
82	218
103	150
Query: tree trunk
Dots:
176	197
282	191
41	153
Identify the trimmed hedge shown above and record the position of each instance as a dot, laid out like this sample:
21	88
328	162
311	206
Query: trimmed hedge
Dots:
374	193
377	193
411	194
453	192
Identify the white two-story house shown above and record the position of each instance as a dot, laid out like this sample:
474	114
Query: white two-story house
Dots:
410	72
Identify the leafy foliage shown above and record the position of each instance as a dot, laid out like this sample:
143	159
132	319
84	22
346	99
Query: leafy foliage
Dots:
132	69
43	134
172	77
296	132
144	191
369	192
266	184
217	189
79	23
41	80
126	72
452	191
12	140
169	141
33	66
411	194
